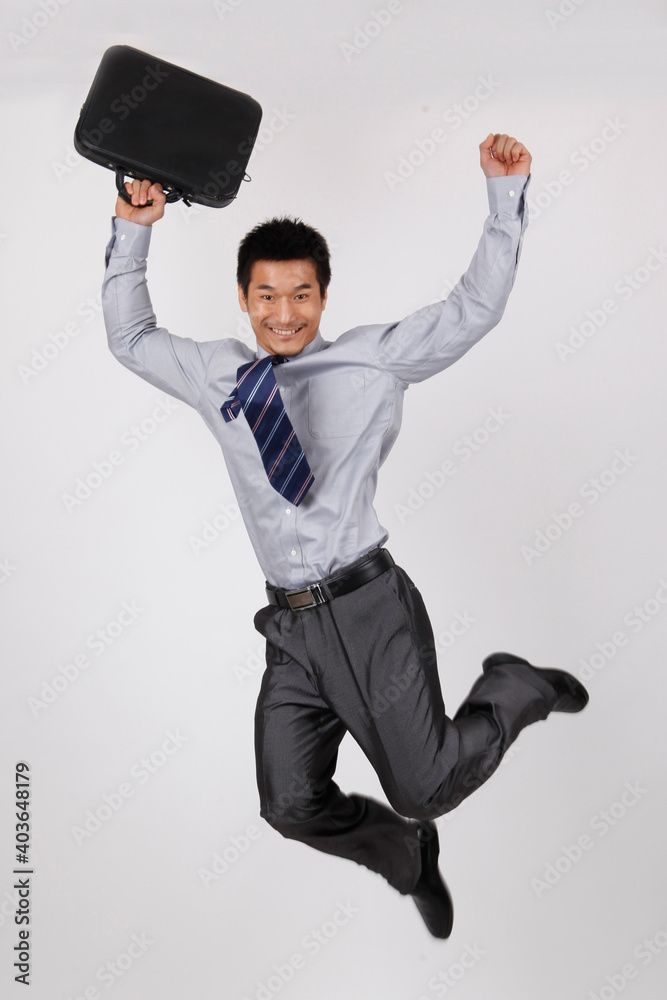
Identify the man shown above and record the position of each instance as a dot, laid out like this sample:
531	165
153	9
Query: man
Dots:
304	425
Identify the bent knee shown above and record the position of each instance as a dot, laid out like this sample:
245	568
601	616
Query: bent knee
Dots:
418	806
446	797
290	820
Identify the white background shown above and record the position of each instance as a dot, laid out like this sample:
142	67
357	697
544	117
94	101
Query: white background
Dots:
189	662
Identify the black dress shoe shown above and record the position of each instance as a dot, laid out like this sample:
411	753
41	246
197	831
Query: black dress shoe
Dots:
571	695
431	894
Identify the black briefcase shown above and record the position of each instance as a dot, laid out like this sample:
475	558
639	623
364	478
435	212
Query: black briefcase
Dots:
147	118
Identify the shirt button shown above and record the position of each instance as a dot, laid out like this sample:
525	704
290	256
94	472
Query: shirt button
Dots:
511	194
288	510
282	388
123	236
293	552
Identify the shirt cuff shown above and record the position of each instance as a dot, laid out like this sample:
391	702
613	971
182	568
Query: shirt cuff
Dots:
128	239
504	193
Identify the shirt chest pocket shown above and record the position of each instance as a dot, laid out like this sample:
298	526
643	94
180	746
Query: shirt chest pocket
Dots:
336	404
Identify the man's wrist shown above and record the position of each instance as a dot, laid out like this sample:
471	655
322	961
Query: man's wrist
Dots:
505	193
130	239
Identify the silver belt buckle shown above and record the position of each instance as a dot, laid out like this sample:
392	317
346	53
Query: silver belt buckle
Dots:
309	597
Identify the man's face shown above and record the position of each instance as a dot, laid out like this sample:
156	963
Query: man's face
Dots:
284	304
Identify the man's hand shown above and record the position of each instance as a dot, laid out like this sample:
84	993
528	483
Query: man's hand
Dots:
509	156
138	211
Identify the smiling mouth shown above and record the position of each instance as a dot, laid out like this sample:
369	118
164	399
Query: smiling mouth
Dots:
285	333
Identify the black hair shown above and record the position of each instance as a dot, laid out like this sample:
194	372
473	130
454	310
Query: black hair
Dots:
283	238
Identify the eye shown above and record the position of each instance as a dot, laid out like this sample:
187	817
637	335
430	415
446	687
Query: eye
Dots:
302	295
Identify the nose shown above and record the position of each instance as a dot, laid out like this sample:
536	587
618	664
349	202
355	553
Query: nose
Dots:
284	313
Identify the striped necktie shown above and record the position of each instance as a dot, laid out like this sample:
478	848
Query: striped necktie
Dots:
256	394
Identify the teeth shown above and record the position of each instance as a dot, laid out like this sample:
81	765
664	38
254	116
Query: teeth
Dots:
284	333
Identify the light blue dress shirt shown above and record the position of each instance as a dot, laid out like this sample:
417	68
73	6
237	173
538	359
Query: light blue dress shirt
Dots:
344	398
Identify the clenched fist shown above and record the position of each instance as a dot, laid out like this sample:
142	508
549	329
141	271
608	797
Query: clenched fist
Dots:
142	192
500	155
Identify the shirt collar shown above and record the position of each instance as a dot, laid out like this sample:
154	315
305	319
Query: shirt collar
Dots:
316	344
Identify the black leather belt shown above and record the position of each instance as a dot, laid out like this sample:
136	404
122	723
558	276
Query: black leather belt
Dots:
361	572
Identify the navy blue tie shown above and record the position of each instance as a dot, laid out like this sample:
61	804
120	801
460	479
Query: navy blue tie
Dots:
256	394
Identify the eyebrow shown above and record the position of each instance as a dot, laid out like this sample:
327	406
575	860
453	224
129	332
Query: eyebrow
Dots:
270	288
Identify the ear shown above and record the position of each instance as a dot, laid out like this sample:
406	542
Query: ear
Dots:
242	300
324	299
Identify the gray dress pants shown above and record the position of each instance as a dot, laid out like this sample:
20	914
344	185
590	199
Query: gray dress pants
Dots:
365	663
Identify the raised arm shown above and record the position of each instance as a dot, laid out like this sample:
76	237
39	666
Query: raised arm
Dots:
177	365
436	336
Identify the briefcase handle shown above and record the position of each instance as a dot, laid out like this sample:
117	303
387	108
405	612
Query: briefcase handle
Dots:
172	193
